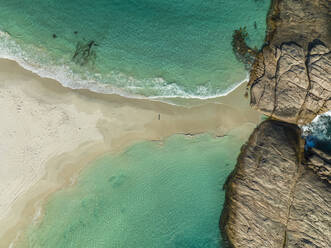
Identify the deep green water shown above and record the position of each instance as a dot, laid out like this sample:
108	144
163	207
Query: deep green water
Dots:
152	195
147	47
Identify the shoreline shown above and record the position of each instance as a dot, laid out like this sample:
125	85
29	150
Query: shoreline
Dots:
107	124
101	88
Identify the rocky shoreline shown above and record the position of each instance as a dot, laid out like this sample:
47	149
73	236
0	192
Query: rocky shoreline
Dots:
279	193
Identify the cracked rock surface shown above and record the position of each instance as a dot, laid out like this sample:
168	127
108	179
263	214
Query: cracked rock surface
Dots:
273	199
320	163
291	78
278	194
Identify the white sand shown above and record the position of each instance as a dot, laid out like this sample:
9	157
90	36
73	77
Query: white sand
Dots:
48	133
31	133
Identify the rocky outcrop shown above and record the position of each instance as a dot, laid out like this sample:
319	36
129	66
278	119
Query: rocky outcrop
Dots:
320	163
291	77
279	194
300	21
273	197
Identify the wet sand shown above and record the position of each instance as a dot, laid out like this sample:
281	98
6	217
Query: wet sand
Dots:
49	133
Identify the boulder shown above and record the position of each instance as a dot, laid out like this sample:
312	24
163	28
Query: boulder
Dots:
276	197
291	77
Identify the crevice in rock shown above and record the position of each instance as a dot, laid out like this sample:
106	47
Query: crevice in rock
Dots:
308	87
292	208
292	192
300	169
272	19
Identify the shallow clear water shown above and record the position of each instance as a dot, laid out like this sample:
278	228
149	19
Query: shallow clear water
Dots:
152	195
147	47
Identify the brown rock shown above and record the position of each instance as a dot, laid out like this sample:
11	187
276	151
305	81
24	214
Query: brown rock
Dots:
299	21
272	198
279	196
320	163
291	77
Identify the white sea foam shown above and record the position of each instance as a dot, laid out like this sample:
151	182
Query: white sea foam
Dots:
316	121
200	89
11	49
37	213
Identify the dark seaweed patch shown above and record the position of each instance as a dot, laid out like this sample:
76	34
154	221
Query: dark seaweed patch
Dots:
85	53
243	52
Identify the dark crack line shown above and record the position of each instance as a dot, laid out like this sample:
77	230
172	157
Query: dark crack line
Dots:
291	196
276	85
307	90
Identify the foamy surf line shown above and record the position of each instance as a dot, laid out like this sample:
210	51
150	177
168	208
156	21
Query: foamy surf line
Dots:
189	96
64	75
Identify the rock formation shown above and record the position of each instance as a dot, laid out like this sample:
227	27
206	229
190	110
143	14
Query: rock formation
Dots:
320	163
273	198
291	77
279	194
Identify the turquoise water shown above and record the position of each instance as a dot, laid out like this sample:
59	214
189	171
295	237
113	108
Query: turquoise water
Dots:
146	47
152	195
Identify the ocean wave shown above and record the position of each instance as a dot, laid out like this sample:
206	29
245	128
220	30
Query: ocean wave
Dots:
317	133
11	49
319	126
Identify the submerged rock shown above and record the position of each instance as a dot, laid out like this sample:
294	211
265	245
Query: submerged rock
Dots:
291	77
85	53
273	197
240	48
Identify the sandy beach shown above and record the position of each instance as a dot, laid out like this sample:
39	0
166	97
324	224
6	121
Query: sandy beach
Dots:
49	133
